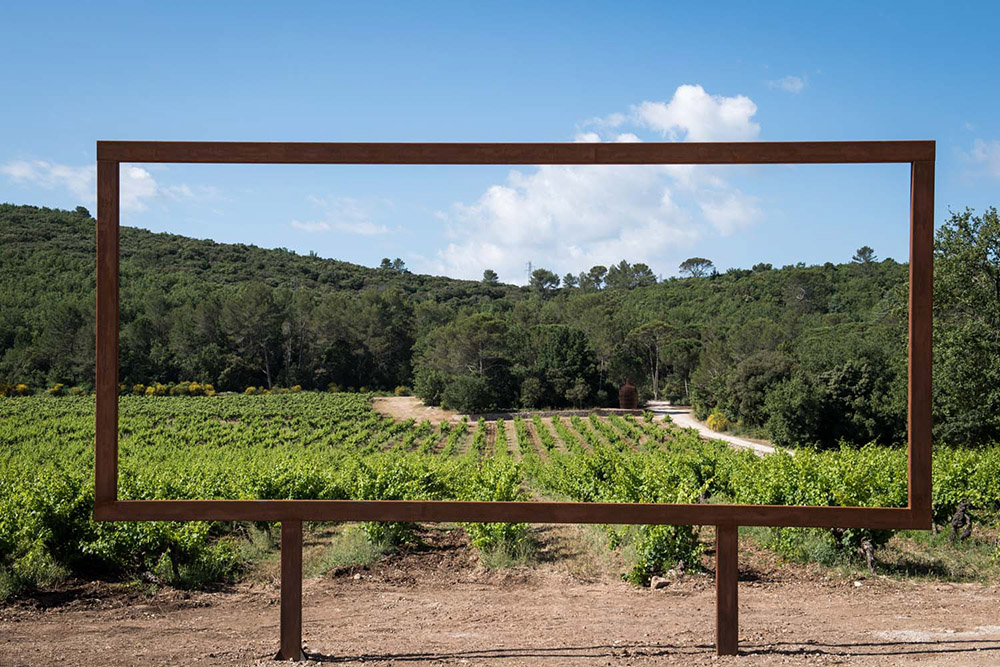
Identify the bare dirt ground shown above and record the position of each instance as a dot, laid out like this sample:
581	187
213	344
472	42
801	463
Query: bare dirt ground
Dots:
411	407
434	605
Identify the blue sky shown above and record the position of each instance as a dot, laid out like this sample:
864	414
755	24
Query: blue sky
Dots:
74	74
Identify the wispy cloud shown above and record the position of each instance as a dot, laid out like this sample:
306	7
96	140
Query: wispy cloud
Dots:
364	228
790	83
341	214
985	157
138	186
78	180
569	218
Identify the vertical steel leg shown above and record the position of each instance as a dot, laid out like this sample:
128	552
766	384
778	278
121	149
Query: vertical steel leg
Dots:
727	622
291	591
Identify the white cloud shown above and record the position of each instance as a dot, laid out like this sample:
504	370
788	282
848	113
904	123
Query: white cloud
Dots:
342	214
729	211
78	180
137	185
568	218
694	115
364	228
985	156
790	83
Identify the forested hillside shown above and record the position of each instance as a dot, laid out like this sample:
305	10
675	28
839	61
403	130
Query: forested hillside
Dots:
800	354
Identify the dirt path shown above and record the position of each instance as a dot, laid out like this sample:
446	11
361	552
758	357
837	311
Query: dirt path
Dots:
542	618
683	418
435	606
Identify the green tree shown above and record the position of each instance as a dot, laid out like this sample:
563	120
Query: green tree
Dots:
864	255
751	381
251	320
490	277
650	341
696	267
593	279
620	276
543	280
967	335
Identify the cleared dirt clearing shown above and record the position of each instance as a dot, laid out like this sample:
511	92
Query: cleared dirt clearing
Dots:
435	606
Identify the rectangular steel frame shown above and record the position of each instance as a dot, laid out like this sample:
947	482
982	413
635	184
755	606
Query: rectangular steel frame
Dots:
916	515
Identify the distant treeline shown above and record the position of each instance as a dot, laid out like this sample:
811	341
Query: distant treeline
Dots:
799	354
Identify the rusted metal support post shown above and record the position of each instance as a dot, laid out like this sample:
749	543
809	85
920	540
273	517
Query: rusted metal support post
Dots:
727	620
291	592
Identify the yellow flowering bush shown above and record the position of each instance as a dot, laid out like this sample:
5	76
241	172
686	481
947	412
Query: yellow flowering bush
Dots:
718	421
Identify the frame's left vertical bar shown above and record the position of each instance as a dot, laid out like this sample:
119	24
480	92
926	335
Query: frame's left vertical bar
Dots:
106	380
290	647
727	575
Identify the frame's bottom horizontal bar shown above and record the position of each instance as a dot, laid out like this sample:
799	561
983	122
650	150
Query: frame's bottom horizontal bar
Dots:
889	518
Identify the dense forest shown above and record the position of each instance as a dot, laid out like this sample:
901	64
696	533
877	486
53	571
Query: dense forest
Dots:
799	354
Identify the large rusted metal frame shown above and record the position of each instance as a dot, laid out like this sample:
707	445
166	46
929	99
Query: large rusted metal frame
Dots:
727	518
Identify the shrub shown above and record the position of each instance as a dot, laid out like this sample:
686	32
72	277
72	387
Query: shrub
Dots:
532	392
401	390
718	422
468	393
139	389
77	391
22	389
251	391
794	408
56	390
659	548
156	389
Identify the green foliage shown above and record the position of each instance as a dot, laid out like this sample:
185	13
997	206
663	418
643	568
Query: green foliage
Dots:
966	341
468	393
696	267
497	478
544	280
334	446
429	385
796	353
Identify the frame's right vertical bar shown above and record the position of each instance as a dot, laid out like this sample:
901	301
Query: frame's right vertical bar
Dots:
921	328
106	380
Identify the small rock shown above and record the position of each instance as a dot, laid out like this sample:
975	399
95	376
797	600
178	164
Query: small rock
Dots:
357	577
658	582
857	584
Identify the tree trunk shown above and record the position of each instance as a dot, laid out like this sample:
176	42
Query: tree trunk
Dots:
267	368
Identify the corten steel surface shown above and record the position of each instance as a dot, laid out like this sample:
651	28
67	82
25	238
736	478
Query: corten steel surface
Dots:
726	518
291	592
726	589
919	154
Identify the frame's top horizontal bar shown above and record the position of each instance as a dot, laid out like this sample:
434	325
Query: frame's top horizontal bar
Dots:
749	152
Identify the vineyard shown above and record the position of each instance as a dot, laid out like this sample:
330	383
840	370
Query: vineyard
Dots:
335	446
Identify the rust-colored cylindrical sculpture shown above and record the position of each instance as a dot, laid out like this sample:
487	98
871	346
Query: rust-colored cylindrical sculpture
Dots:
628	396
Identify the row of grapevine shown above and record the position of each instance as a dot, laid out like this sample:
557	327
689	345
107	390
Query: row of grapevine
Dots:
335	446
